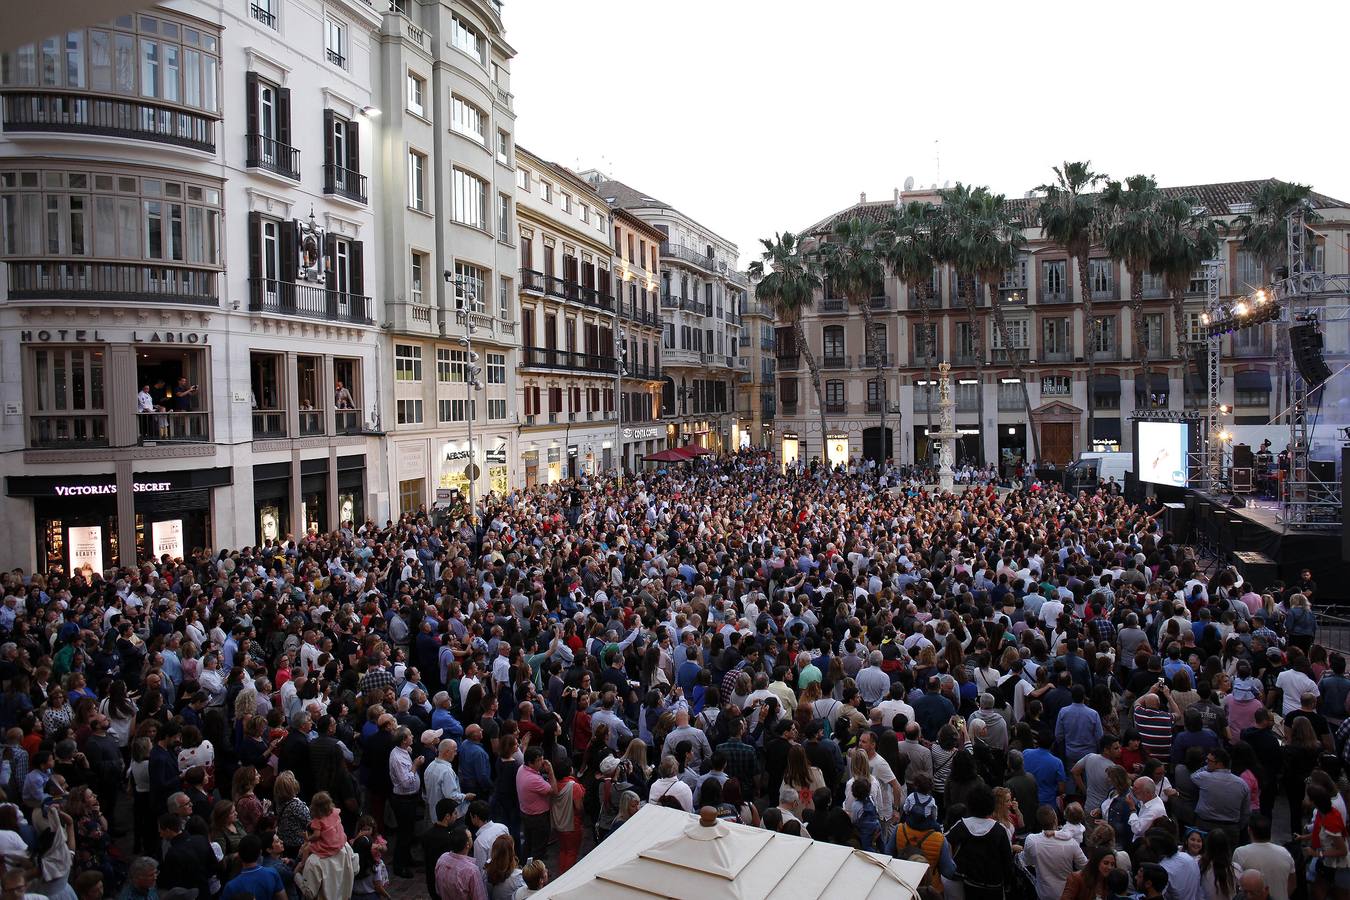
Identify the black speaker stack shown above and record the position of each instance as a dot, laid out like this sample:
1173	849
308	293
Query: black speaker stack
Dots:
1306	342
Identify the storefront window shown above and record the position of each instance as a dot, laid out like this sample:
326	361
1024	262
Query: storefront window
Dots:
411	495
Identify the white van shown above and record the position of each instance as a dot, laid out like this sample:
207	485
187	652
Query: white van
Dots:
1093	466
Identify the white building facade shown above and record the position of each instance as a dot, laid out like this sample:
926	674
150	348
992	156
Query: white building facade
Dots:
190	357
446	157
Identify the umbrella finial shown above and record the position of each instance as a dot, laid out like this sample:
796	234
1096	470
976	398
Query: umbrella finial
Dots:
707	816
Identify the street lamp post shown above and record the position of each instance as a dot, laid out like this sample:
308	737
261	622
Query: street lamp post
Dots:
471	383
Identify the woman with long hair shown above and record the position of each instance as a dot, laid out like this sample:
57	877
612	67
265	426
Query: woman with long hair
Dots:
502	873
1089	882
225	828
292	813
121	712
1218	873
802	777
1300	758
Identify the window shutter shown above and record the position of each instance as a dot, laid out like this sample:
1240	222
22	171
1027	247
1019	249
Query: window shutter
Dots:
251	90
330	270
284	116
290	263
329	121
255	263
353	147
534	394
357	277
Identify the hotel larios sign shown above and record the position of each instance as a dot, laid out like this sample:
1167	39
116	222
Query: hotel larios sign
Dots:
94	336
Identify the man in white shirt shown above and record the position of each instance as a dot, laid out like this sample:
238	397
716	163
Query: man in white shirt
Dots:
670	785
895	705
486	832
1055	856
1145	804
1271	860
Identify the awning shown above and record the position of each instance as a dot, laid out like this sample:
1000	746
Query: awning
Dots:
693	450
1157	379
1106	384
667	456
1106	430
1252	381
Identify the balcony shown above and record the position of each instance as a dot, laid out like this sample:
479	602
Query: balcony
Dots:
347	421
269	424
334	57
768	344
67	432
1248	350
836	362
964	359
309	301
1013	296
137	282
644	373
170	427
311	422
835	409
832	305
398	25
138	120
532	281
342	182
1015	356
702	260
1057	356
544	358
674	357
789	407
931	302
1048	296
262	15
869	361
272	156
756	308
688	304
881	301
1111	292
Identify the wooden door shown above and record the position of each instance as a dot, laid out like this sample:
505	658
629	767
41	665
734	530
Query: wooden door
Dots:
1057	443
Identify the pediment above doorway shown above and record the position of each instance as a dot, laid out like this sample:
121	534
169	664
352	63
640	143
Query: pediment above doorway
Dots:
1057	410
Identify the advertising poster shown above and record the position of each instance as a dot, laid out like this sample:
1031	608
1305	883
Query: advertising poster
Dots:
167	537
86	548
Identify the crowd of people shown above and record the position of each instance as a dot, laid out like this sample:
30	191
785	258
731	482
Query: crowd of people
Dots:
1034	693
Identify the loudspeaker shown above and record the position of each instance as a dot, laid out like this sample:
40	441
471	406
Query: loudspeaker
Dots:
1306	342
1345	492
1242	456
1323	470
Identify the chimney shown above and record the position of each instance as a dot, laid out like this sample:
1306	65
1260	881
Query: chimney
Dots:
862	198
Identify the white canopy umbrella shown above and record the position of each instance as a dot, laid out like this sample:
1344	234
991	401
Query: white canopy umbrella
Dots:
663	852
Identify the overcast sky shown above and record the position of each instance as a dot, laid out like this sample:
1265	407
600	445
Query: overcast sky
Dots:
756	116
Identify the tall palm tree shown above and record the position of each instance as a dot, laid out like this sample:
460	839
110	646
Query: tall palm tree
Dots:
957	248
1186	239
996	240
912	233
1133	236
788	282
852	260
1264	231
1071	217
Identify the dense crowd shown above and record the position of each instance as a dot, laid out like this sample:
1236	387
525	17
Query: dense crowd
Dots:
1035	693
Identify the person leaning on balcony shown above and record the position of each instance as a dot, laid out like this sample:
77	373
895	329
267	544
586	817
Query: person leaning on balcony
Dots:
144	404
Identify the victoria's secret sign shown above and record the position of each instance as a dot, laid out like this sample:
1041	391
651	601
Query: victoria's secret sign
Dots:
81	490
94	336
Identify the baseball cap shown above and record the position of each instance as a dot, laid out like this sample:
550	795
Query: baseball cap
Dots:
432	735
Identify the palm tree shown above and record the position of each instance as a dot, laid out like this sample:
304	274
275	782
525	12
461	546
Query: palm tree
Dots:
908	252
1133	236
788	283
1187	238
1071	217
1264	230
851	259
996	239
957	247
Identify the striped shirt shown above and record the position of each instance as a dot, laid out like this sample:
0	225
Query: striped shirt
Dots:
1155	732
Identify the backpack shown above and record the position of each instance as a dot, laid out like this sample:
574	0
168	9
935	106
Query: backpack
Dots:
921	847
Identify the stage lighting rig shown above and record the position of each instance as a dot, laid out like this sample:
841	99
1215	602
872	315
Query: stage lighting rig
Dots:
1254	309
